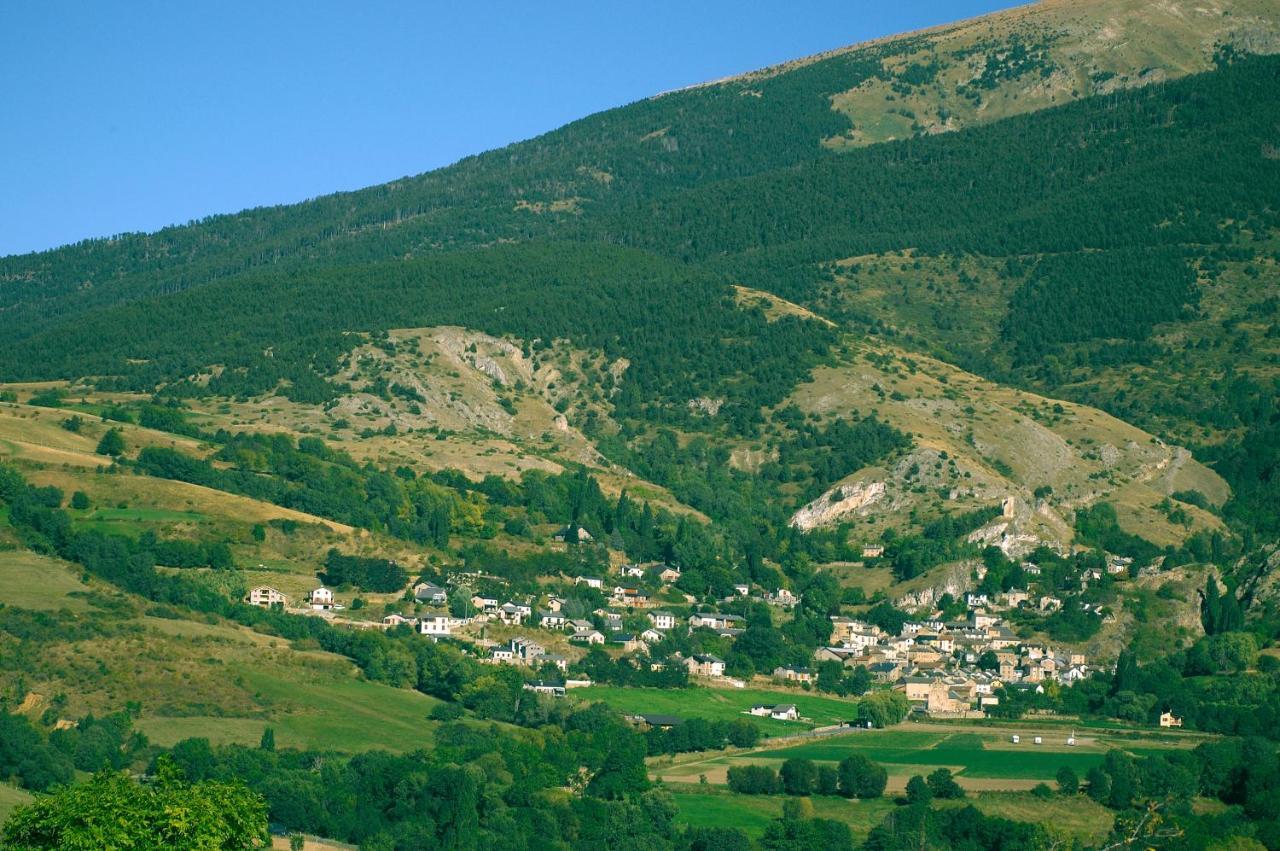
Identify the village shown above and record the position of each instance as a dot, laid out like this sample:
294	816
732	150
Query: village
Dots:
947	668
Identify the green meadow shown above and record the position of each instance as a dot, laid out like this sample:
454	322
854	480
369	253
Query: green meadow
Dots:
719	704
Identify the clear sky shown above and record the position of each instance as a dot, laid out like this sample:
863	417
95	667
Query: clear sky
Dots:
129	115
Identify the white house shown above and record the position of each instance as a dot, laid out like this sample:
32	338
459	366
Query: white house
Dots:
589	581
511	614
588	636
631	571
436	624
551	620
265	596
485	604
321	599
662	619
780	712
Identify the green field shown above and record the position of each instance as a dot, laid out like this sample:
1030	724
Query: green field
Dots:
722	704
32	581
984	758
322	713
135	521
1077	817
10	798
964	751
751	813
145	515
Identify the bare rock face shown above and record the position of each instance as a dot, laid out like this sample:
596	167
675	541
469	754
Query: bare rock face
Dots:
703	405
1021	528
837	503
956	581
491	368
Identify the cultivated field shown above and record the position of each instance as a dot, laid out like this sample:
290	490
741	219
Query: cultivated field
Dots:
1077	817
984	758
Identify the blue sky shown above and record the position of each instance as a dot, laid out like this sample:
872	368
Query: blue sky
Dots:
130	116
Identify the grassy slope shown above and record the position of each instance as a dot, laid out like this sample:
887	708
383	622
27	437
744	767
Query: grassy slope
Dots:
1089	47
215	680
1003	441
10	799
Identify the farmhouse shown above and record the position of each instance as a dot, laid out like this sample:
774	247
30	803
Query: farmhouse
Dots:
701	665
669	574
612	620
650	719
512	614
1168	719
587	636
527	649
793	675
265	596
779	712
872	550
551	620
321	599
630	643
572	535
426	592
589	581
713	620
551	687
485	604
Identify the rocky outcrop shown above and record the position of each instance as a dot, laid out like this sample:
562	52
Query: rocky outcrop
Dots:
1021	528
838	503
957	579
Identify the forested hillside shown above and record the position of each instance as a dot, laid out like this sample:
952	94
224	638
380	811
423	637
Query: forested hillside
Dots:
957	351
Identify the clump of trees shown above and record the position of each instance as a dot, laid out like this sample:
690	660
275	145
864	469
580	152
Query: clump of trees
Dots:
114	811
855	776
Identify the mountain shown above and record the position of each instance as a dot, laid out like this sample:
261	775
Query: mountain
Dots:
987	308
1068	233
